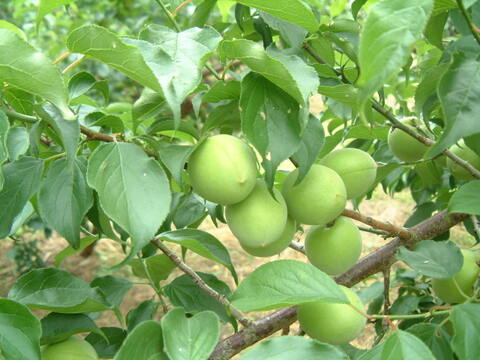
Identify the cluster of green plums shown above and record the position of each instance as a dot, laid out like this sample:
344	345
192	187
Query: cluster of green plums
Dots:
409	149
223	169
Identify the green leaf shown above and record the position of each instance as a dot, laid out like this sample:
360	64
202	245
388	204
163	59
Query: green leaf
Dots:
158	267
17	143
443	6
69	250
459	91
22	179
174	157
225	116
293	11
439	260
345	94
391	29
466	324
434	29
9	26
282	283
428	86
465	199
57	327
143	312
294	347
435	337
107	348
144	342
47	6
223	90
292	34
185	293
24	67
4	127
203	244
368	132
127	180
82	82
20	332
270	121
65	198
288	72
56	290
191	338
402	345
113	288
20	219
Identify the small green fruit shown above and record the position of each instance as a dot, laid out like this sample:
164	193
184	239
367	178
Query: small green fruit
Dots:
278	245
258	220
404	146
334	249
73	348
318	199
447	290
335	324
222	170
356	168
466	154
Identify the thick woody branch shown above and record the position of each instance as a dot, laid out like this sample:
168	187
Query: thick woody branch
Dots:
377	261
380	225
237	314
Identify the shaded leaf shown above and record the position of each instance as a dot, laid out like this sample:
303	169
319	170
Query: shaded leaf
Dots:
106	349
466	324
57	327
465	199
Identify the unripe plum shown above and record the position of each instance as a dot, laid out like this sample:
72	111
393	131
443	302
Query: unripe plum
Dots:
404	146
318	199
447	290
466	154
73	348
222	169
356	167
260	219
334	249
335	324
276	247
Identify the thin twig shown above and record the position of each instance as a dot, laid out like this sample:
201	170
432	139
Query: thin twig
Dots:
237	314
61	57
73	64
296	245
471	25
375	231
476	225
386	291
380	225
169	15
179	7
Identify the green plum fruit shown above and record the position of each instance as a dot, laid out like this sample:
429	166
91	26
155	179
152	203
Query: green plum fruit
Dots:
357	169
404	146
447	290
318	199
467	154
334	249
73	348
260	219
276	247
223	169
335	324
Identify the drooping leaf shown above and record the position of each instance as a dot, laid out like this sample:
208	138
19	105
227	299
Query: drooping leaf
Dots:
82	82
47	6
107	348
391	28
56	290
70	250
291	33
132	188
285	282
22	179
223	90
192	338
20	332
403	345
294	347
466	324
459	91
143	312
439	260
65	198
17	142
465	199
57	327
156	267
174	157
113	288
25	68
435	337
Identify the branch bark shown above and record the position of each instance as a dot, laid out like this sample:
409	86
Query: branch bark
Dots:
380	225
377	261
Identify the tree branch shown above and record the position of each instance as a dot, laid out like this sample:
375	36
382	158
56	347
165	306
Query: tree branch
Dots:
376	224
237	314
298	246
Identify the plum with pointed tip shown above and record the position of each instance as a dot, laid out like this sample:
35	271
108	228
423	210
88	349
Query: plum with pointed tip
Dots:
222	169
73	348
404	146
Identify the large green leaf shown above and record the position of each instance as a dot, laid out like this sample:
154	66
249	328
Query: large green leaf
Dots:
20	332
403	345
65	198
22	179
293	11
132	188
288	72
47	6
465	199
270	120
144	342
459	91
285	282
57	327
56	290
107	344
435	337
294	347
113	288
439	260
391	28
202	243
25	68
466	324
192	338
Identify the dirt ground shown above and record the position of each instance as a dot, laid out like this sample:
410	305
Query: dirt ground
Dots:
108	253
